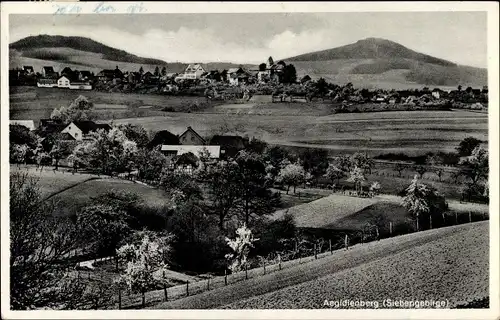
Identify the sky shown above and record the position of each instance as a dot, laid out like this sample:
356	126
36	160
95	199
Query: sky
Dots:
460	37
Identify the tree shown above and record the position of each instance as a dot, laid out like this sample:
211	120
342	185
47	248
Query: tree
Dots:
39	246
314	161
80	109
255	198
289	74
21	135
164	71
262	67
106	152
106	225
400	167
357	176
292	175
150	163
135	133
146	261
375	188
157	71
423	202
240	247
467	145
475	169
421	170
141	70
436	162
223	190
362	161
334	173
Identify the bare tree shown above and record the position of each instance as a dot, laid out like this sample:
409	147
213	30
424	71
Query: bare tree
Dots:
39	249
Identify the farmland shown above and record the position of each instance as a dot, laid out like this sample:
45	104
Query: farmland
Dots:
455	258
415	132
37	103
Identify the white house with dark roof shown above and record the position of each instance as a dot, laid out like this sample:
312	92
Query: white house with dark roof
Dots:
192	72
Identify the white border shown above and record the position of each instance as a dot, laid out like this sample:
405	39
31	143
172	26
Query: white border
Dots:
220	7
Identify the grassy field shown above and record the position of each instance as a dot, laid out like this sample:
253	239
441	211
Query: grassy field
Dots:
50	181
36	103
411	132
324	211
73	199
449	263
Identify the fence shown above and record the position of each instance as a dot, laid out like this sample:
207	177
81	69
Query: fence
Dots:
124	299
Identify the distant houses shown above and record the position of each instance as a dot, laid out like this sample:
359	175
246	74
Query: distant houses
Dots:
192	72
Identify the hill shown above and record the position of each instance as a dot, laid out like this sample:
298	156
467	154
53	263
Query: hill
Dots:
80	52
441	264
381	63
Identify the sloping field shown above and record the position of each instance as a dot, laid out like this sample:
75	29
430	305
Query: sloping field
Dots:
51	181
325	211
73	199
449	263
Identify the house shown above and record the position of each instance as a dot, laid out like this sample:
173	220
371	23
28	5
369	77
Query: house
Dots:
30	124
436	93
229	145
48	72
79	129
192	72
46	83
150	78
171	150
164	137
85	75
237	76
133	77
67	72
305	79
63	82
212	76
191	137
109	75
28	70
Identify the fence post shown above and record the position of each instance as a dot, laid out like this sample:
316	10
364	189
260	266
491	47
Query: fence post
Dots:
119	298
165	287
315	252
470	216
116	261
346	242
390	227
430	221
246	271
225	277
296	245
143	298
279	261
187	288
456	217
330	244
264	265
208	283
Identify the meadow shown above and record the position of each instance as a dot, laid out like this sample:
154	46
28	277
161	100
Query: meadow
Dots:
38	103
410	132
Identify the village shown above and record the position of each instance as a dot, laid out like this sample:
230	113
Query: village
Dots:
278	79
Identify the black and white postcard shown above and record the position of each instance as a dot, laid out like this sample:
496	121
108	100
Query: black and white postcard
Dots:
250	160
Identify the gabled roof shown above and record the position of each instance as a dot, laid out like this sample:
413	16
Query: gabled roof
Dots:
88	126
194	132
26	68
235	70
48	69
164	137
228	141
